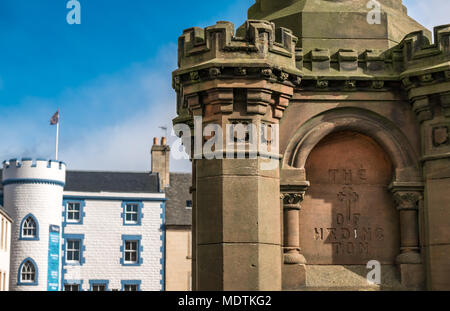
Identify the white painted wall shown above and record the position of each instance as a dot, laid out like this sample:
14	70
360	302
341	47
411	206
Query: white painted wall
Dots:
44	201
103	229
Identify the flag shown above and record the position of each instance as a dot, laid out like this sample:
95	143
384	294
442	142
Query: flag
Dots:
55	119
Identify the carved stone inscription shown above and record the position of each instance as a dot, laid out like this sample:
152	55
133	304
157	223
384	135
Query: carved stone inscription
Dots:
348	215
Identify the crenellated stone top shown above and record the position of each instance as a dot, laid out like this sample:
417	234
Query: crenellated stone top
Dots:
423	62
258	48
26	169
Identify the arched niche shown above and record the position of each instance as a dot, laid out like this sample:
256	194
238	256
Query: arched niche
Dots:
350	157
384	132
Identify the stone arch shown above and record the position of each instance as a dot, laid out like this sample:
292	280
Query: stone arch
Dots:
406	188
382	130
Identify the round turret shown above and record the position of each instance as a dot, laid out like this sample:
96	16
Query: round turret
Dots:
33	193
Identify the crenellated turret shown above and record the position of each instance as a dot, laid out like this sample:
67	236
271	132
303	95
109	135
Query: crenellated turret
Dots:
33	191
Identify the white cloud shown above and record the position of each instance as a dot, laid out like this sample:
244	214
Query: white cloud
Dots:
429	13
142	94
126	145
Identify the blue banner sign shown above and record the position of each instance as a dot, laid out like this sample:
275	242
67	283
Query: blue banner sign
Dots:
53	259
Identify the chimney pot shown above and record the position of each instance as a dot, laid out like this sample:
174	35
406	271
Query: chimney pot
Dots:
163	141
155	141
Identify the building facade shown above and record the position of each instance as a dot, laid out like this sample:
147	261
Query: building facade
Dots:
179	233
113	234
5	248
361	100
32	196
78	231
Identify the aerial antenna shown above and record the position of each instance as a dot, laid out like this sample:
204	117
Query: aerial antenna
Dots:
165	129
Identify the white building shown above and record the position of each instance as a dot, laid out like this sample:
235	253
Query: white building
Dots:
32	196
93	231
113	232
5	248
80	230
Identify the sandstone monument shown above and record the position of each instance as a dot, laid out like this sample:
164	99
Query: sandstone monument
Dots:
364	150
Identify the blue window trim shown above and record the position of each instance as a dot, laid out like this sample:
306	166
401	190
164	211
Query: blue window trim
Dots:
73	282
140	249
79	237
99	282
140	214
36	238
36	276
131	282
65	212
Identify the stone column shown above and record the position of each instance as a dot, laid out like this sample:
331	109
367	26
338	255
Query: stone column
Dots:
291	245
408	206
436	164
431	103
408	198
224	83
294	269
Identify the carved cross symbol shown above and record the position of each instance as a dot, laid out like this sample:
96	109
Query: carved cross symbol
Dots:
348	196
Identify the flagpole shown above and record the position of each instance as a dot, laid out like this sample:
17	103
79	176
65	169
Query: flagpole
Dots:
57	137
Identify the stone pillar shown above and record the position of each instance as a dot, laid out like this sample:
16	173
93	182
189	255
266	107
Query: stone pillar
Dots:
436	164
294	270
431	103
291	245
408	206
224	83
408	198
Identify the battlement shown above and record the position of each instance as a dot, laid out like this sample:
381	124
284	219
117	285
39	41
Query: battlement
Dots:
414	58
30	170
256	44
260	50
425	63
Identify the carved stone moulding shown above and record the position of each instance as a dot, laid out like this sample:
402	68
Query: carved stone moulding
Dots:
422	108
232	71
424	78
325	83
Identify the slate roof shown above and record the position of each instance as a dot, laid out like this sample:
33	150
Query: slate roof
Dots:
177	195
91	181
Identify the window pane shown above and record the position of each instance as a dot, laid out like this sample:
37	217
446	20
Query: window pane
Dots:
99	288
28	272
29	228
130	288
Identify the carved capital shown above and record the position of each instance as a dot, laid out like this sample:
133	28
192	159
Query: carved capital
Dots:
407	200
292	200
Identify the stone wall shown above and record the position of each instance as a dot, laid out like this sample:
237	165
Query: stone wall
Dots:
178	259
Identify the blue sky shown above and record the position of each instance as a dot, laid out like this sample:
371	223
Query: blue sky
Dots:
109	76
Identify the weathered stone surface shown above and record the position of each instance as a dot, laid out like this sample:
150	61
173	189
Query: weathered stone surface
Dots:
338	24
230	214
438	274
294	277
361	107
348	216
412	276
350	278
438	212
239	267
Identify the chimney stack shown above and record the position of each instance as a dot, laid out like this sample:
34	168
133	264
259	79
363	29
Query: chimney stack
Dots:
160	161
